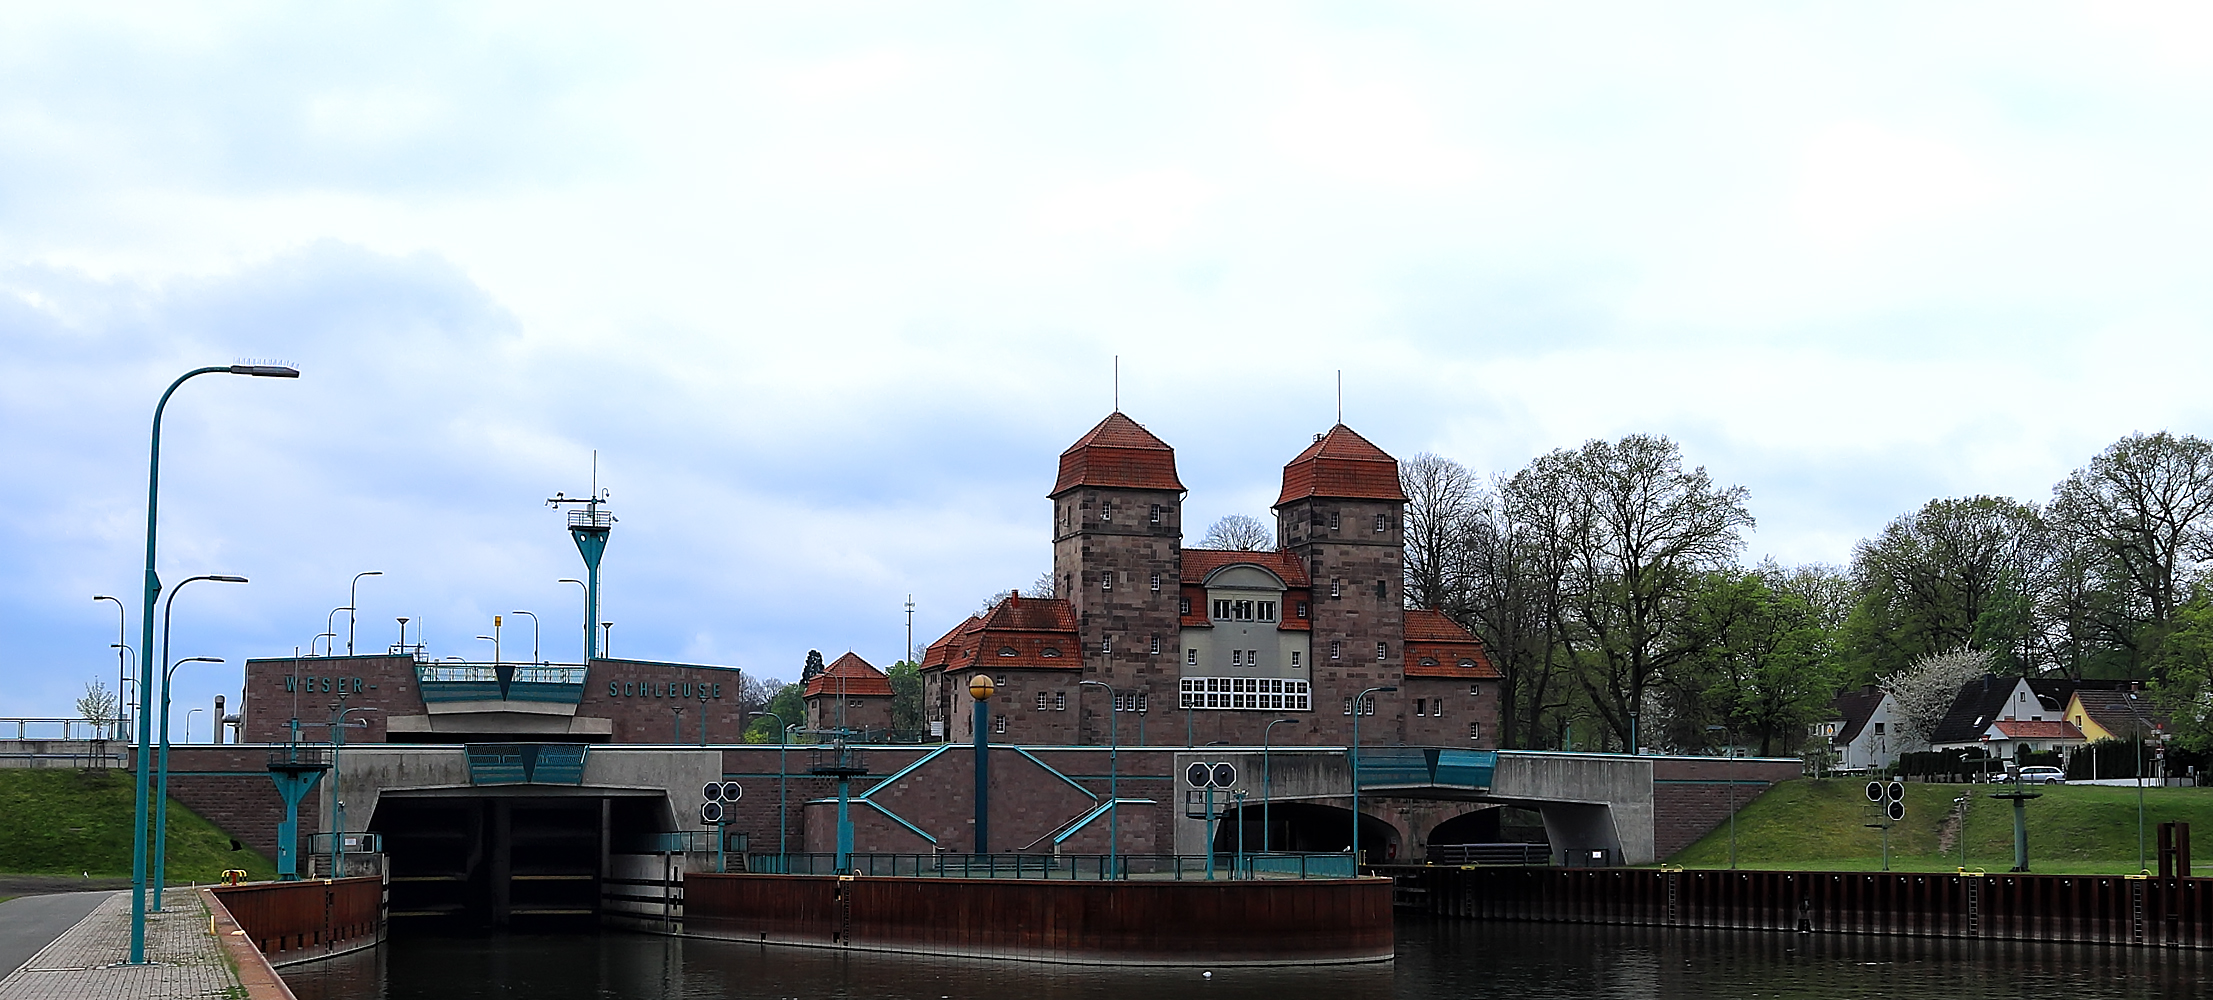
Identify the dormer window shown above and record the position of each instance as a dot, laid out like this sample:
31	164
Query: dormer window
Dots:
1006	651
1302	609
1049	652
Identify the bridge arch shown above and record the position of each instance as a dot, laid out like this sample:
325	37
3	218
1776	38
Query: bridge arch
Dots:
1310	828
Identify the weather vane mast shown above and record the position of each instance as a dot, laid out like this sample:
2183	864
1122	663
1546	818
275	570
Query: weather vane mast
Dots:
589	526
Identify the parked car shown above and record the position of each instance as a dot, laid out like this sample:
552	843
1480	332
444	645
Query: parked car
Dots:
2043	776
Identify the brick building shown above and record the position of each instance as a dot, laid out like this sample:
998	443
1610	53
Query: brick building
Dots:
1194	646
850	694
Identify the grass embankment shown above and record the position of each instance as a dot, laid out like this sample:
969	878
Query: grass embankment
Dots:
66	822
1809	825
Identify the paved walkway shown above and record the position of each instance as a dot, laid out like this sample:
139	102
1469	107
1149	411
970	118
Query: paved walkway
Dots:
29	923
185	960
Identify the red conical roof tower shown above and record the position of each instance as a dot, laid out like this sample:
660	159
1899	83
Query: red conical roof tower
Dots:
1119	453
1340	464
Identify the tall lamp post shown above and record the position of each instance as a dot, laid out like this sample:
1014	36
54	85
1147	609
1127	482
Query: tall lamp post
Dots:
783	826
1114	774
1357	701
188	724
533	635
337	791
121	672
1264	734
330	628
580	585
353	595
161	797
146	641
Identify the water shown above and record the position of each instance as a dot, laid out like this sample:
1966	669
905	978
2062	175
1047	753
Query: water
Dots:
1436	959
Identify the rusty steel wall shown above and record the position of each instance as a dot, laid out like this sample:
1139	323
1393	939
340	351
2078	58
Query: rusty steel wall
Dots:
302	921
2091	909
1217	923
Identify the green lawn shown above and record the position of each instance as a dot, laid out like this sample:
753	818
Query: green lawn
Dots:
2075	829
68	822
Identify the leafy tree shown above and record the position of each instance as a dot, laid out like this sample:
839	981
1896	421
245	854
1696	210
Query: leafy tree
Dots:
906	696
2136	521
785	708
1645	532
97	705
1923	691
1762	666
813	668
1240	533
1959	573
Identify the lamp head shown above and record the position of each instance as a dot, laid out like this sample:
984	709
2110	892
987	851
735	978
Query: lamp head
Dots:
266	371
980	687
228	579
201	659
102	597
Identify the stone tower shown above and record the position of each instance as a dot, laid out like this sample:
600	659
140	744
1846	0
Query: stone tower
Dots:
1342	513
1117	553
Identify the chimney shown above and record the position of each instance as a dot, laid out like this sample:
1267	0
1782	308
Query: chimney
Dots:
218	718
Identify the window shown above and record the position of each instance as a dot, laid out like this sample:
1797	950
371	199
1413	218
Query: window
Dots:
1183	605
1379	593
1242	610
998	723
1336	588
1348	706
1294	659
1302	609
1466	664
1156	513
1156	645
1049	652
1474	690
1429	661
1156	583
1379	522
1336	648
1041	701
1106	644
1475	730
1191	657
1237	657
1256	694
1421	706
1252	656
1106	580
1106	511
1332	520
1878	729
1221	610
1001	680
1267	610
1060	701
1382	652
1140	701
1437	707
1006	651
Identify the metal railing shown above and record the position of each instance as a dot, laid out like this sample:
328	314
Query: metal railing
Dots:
1067	867
1490	854
591	519
685	842
432	673
62	729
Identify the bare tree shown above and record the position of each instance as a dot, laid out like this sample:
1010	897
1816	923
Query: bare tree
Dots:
1241	533
1042	587
97	705
1923	691
1440	499
1514	555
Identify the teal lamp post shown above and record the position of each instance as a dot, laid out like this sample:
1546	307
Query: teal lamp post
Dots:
146	641
783	824
1114	777
1357	701
1264	734
160	863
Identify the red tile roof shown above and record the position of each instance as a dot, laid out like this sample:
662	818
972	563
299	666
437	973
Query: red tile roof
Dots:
2014	729
1436	646
852	676
1120	453
1198	564
1031	633
1343	464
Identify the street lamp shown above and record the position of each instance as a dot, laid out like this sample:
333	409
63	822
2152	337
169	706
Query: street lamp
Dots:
1264	734
146	641
121	672
1114	772
533	635
332	636
188	724
1354	753
161	798
330	628
353	597
783	733
337	793
587	615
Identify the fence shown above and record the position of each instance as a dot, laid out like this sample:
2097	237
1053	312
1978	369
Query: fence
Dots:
300	921
1066	867
1489	854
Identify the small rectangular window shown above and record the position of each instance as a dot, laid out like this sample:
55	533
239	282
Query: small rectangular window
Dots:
999	724
1041	701
1421	706
1348	706
1878	729
1156	583
1106	580
1475	730
1140	701
1060	701
1191	657
1156	645
1183	605
1379	592
1294	659
1106	512
1106	645
1382	652
1332	520
1241	610
1379	522
1437	707
1156	513
1302	609
1336	588
1475	690
1237	657
1221	610
1336	648
1267	611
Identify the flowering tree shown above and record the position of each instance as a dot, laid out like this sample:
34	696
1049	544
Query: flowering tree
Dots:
1924	690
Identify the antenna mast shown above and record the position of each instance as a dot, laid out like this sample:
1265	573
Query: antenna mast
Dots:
589	526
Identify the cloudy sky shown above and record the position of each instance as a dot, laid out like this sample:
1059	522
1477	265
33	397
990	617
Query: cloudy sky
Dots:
828	287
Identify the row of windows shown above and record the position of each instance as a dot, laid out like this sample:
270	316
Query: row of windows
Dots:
1057	701
1229	611
1381	524
1241	658
1280	694
1382	651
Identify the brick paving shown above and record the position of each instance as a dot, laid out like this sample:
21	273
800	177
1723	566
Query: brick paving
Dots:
185	959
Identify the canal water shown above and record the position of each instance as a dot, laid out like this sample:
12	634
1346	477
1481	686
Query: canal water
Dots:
1436	959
